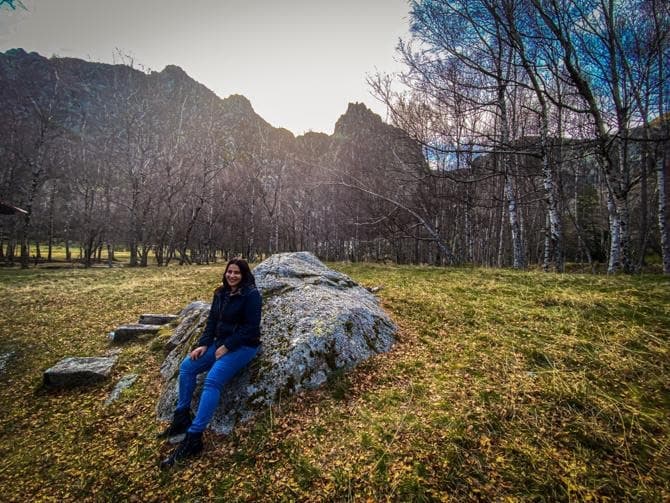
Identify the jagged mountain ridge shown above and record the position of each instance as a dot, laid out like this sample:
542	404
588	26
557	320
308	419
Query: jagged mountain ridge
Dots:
85	91
78	92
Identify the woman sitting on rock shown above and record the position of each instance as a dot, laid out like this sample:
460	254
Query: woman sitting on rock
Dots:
229	342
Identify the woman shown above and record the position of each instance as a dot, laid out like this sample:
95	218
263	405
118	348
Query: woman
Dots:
229	342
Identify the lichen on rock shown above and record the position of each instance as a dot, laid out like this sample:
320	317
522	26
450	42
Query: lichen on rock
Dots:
315	321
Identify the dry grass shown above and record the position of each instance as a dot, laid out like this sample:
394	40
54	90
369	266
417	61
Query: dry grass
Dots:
504	386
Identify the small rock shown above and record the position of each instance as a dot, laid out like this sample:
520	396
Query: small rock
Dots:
176	439
316	380
126	382
4	360
77	371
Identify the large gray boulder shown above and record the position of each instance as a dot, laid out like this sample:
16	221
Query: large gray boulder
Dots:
315	321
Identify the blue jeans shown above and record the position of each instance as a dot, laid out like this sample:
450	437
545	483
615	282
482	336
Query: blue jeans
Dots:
220	372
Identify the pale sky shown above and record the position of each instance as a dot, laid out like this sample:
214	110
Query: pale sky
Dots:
299	62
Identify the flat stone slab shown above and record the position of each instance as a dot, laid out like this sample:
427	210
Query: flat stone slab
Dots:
78	371
132	331
157	319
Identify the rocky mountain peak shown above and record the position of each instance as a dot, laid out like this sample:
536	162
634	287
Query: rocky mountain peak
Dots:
357	118
175	72
238	103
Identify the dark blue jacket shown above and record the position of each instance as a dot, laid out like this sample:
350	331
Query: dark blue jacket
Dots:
234	320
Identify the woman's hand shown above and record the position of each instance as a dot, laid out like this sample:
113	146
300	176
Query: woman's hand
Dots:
220	351
198	352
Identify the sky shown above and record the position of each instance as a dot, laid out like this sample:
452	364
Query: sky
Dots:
300	62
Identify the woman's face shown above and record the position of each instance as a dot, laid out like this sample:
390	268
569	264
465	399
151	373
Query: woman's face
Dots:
233	276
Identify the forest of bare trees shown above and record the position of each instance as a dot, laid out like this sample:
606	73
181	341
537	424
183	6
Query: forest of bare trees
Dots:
573	93
523	133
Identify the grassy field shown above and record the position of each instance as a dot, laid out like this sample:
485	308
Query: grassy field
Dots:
503	386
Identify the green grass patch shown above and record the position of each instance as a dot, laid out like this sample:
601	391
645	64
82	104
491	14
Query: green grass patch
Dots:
503	386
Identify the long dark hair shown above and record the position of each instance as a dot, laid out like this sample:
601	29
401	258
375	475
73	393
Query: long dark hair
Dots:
247	276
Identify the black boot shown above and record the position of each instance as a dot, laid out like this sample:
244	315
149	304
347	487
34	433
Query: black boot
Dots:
190	447
181	420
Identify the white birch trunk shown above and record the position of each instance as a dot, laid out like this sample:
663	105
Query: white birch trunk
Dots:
546	259
469	241
501	235
553	214
517	246
615	235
